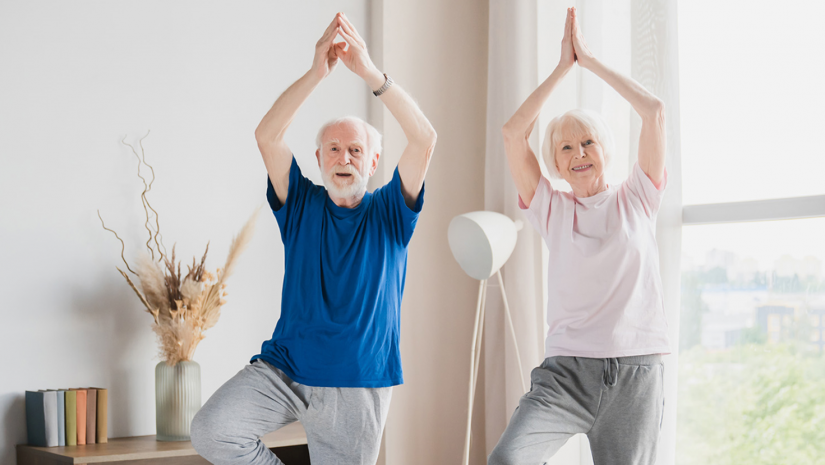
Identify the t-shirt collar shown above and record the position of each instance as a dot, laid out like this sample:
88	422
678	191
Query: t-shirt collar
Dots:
344	211
594	199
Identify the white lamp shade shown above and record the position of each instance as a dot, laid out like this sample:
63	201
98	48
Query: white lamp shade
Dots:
482	242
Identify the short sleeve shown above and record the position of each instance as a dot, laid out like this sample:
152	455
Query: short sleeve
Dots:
538	213
297	193
401	218
641	187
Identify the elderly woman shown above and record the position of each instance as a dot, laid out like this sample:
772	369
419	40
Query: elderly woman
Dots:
603	372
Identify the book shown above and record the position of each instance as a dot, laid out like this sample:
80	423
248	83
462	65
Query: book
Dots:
41	418
61	417
71	418
102	415
81	416
91	415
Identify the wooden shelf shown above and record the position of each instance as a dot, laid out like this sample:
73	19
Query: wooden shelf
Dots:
143	449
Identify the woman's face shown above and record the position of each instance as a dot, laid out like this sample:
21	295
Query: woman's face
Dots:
580	159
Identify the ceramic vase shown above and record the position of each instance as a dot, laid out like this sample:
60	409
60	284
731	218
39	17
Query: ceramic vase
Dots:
177	399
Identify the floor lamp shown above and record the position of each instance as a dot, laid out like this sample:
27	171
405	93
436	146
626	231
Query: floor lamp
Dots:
481	243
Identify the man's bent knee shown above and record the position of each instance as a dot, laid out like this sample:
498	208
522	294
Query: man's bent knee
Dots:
213	441
201	434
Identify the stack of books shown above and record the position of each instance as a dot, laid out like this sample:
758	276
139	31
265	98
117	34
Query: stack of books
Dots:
58	417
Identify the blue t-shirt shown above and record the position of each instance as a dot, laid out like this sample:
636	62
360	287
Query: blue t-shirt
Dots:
343	281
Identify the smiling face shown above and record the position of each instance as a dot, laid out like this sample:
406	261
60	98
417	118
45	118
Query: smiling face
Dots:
345	162
579	158
577	148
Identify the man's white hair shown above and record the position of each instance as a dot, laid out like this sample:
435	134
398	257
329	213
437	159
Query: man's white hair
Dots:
373	136
575	123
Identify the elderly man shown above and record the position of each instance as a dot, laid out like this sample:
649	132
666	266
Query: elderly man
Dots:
334	355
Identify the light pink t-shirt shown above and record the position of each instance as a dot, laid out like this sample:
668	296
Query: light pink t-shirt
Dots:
603	286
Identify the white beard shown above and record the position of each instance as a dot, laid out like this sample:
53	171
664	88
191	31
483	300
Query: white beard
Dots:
355	186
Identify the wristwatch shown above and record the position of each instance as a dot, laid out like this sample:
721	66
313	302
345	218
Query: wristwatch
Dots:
382	89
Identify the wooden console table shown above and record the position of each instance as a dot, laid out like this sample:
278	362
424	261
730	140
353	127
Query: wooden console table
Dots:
289	443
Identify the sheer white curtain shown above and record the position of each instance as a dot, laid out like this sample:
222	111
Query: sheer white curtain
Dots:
636	37
655	64
511	77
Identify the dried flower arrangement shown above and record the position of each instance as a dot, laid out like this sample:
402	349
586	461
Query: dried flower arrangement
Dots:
183	306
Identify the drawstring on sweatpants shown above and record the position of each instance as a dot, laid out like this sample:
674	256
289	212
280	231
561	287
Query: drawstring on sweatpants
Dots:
611	371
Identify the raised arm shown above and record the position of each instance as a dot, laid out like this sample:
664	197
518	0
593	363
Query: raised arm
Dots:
270	132
653	138
421	137
524	166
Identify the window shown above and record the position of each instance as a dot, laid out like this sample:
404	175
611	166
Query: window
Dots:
751	365
751	99
751	362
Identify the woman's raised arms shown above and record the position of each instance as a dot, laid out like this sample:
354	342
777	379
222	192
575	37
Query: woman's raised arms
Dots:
652	141
523	163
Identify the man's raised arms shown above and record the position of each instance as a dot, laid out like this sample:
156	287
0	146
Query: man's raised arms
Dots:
421	137
270	132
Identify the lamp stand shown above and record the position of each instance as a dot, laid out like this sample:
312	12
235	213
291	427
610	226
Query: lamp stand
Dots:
478	333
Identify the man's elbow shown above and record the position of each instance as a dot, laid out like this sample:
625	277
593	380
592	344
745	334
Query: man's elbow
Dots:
431	137
429	144
260	135
426	139
267	138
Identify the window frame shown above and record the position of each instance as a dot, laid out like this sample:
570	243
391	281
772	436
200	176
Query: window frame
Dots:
790	208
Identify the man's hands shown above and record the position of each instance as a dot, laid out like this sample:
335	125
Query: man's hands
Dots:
325	59
353	52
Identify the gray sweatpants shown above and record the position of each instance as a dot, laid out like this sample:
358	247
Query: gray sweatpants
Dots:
343	425
617	402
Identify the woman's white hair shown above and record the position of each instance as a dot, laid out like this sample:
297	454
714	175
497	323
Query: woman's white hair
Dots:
576	124
373	136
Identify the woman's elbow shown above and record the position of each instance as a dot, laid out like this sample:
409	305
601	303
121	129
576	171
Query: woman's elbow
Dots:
657	108
509	132
653	111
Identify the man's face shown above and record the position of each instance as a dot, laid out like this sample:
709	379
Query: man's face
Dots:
345	162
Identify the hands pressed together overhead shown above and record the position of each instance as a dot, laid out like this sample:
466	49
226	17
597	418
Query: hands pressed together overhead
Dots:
352	51
573	47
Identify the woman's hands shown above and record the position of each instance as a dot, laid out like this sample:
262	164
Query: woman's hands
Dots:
568	54
573	47
583	54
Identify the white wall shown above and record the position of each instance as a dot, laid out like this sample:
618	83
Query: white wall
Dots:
75	78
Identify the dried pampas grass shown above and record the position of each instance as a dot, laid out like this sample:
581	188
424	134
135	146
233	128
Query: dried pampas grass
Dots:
183	307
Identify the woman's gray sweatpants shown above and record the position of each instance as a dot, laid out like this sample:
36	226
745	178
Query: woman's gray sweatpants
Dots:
617	402
343	425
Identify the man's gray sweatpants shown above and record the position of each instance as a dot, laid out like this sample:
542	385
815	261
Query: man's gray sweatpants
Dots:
343	425
617	402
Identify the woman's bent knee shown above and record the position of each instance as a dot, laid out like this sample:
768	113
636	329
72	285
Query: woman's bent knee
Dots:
501	457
